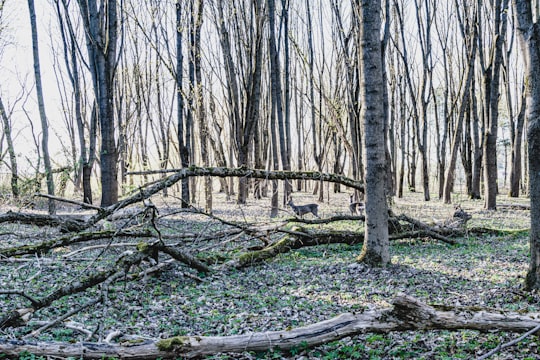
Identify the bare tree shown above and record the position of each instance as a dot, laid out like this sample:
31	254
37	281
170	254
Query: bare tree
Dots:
41	105
469	34
86	134
492	71
6	121
244	110
101	29
516	141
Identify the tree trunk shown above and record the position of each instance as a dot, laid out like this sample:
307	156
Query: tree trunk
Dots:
41	105
529	36
201	114
490	136
465	98
101	47
11	150
517	141
477	146
376	245
181	123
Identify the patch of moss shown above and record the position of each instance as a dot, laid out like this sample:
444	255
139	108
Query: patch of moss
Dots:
171	343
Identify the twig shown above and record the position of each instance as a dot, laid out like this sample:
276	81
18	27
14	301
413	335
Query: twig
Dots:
62	318
508	344
69	201
94	247
20	293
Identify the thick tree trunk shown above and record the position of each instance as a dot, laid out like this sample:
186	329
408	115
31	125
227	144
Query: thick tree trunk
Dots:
529	36
376	245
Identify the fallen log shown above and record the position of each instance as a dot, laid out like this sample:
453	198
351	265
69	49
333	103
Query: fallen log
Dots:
407	313
297	238
65	223
71	239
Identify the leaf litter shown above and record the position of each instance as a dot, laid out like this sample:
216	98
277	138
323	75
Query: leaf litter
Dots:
293	289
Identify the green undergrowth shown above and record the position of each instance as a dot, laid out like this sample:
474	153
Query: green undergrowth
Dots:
295	288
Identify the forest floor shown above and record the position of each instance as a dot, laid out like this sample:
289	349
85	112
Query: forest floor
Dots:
297	288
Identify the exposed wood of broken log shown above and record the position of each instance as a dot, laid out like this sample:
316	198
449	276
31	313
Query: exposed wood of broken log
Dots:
407	313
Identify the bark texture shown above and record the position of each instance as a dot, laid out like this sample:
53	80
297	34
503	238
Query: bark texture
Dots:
376	244
529	36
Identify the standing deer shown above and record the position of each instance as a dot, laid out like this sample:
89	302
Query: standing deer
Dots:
356	207
301	210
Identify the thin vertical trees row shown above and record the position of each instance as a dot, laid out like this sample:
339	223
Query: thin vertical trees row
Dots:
86	130
241	90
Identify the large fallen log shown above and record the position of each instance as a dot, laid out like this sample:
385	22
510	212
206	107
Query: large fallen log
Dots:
407	313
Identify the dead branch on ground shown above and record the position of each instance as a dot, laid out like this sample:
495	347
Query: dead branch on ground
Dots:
407	313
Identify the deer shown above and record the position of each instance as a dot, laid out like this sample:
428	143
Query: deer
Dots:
356	207
301	210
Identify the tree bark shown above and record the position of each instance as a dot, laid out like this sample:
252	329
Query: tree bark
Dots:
529	36
517	141
500	10
183	149
101	47
376	245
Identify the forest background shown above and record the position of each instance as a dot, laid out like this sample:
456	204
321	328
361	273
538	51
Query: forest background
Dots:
438	117
140	90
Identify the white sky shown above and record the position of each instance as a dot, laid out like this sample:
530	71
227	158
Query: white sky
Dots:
16	67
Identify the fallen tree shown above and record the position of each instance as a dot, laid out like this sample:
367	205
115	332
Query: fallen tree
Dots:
407	313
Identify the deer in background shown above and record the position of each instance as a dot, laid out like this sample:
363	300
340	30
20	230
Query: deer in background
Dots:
301	210
356	207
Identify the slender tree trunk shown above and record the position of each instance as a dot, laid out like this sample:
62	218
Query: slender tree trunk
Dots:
477	147
490	136
181	123
41	105
286	95
11	151
515	172
465	98
201	114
